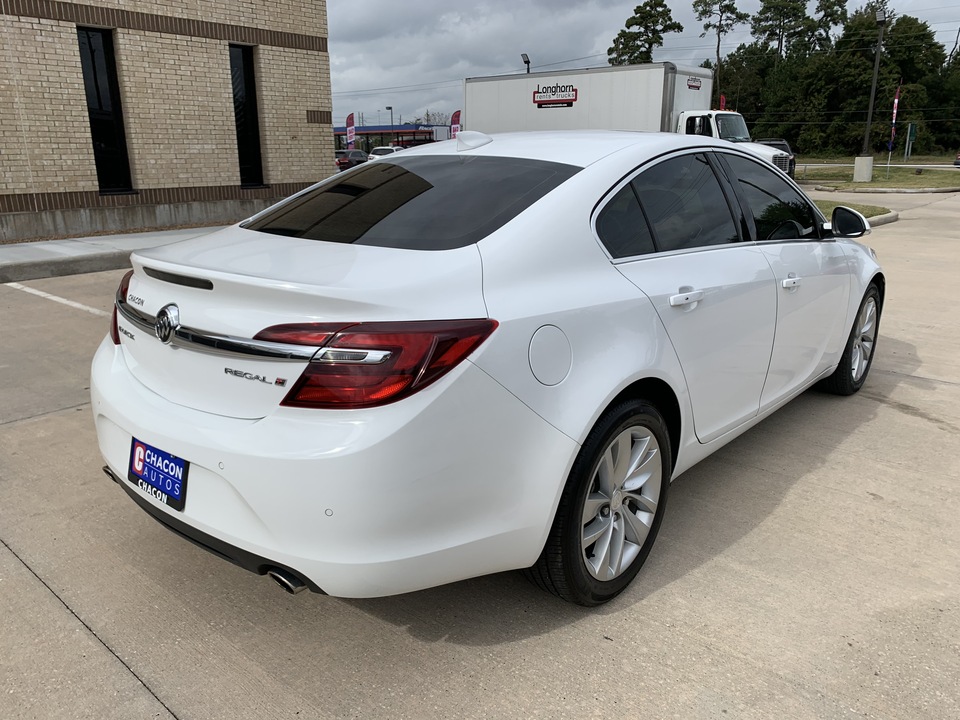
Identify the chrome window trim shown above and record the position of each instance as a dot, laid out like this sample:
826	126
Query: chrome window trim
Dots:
215	343
682	251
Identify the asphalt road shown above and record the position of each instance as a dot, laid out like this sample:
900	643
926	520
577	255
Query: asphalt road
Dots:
810	569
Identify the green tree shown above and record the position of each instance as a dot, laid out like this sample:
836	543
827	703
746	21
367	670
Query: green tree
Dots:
642	33
912	48
855	50
818	100
721	16
798	104
830	14
781	22
746	70
944	91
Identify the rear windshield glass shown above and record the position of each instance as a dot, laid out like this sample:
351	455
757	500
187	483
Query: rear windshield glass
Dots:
436	202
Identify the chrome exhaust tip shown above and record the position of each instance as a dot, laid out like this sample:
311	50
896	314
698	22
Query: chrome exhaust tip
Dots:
287	580
109	473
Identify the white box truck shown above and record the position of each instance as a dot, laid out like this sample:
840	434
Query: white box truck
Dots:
656	97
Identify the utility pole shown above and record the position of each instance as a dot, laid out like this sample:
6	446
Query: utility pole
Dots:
863	165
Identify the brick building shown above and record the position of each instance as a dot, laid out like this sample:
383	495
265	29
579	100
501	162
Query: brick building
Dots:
128	114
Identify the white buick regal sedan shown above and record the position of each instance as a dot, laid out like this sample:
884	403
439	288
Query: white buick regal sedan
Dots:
481	355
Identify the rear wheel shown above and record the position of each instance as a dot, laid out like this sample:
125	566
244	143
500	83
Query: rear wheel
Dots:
611	507
857	356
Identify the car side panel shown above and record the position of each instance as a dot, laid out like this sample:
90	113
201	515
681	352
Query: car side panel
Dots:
612	331
724	339
811	323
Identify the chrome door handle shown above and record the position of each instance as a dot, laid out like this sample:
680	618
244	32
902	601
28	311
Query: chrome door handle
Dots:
791	281
686	298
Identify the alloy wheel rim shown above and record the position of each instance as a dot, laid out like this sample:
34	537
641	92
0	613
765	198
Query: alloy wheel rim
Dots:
621	503
864	339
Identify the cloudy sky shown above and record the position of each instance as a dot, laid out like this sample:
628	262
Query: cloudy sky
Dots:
413	56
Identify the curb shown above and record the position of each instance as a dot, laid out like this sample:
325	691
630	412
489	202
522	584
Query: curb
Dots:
884	219
881	191
58	267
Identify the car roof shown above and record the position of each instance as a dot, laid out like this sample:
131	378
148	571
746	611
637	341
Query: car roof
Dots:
574	147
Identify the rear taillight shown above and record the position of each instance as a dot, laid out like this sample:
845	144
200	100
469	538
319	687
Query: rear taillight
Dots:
121	295
370	364
302	333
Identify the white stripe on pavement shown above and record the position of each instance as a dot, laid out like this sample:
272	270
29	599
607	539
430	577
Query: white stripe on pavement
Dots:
62	301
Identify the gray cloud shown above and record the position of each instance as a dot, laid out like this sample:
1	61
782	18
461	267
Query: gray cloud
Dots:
415	56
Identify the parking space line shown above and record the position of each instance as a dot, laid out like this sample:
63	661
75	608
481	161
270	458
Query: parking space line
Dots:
62	301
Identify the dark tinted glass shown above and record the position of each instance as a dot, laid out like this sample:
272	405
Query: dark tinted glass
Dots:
434	202
99	68
622	227
684	203
245	114
779	211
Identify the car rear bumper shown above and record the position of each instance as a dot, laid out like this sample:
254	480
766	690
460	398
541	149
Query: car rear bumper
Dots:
459	480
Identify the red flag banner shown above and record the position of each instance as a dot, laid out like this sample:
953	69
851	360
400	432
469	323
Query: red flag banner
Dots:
351	132
893	122
455	124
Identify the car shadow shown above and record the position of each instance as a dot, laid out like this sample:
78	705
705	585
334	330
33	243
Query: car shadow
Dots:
711	507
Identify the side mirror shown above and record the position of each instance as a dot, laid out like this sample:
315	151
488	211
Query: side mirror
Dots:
848	223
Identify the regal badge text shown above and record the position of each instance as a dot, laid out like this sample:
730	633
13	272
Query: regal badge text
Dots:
251	376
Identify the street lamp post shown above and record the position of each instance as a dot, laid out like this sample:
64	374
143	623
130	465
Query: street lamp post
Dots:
863	165
526	61
390	108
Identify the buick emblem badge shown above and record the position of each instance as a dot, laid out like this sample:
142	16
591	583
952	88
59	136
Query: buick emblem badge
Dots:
168	320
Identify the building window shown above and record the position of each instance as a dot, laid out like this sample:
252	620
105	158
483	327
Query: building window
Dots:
245	110
99	67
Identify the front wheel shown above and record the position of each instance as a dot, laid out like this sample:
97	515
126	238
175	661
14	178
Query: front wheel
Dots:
610	509
857	356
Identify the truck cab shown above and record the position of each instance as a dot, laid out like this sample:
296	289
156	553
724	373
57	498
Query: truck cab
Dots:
730	126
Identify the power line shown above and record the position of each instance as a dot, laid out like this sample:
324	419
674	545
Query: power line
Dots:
419	86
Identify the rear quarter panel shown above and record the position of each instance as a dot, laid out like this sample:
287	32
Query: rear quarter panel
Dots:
547	268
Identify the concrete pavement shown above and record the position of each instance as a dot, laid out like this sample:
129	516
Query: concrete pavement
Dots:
810	569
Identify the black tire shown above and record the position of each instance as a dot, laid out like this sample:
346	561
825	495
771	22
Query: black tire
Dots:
844	381
562	567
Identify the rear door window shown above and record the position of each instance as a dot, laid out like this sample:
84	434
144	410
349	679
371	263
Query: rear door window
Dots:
685	204
433	202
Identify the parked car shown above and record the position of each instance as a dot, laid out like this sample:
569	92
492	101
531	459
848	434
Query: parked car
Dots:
783	146
956	162
383	151
347	159
484	354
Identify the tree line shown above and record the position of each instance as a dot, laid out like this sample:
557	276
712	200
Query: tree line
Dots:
808	79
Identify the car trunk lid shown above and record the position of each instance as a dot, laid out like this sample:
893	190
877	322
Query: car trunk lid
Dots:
234	283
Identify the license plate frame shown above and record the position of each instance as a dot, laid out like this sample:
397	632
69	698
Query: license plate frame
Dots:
158	473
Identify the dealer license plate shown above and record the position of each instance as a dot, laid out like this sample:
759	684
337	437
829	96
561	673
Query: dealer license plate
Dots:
158	473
